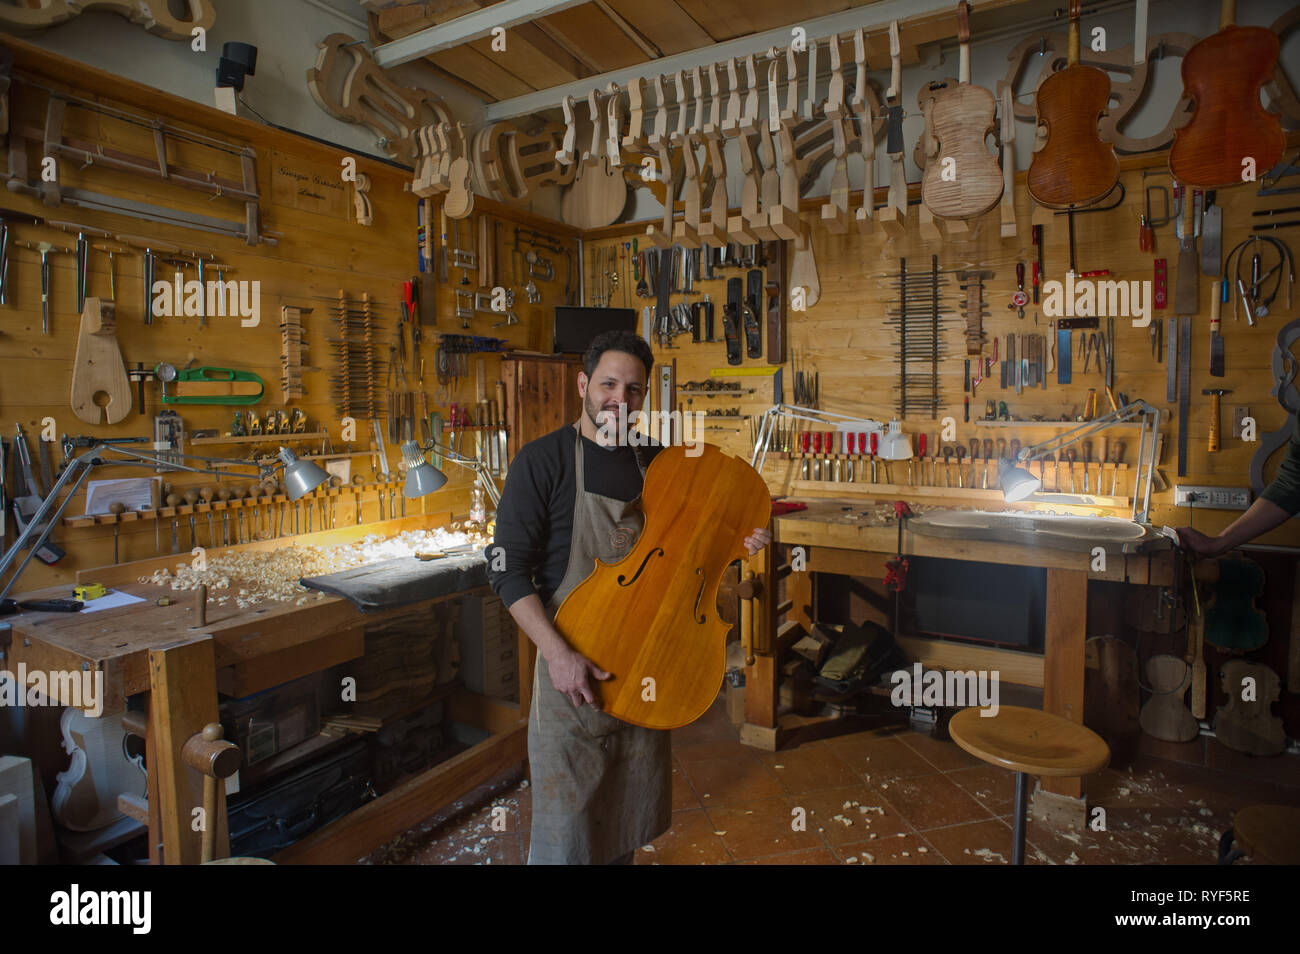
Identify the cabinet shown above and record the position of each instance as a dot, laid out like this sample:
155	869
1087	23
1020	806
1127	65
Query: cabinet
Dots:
541	395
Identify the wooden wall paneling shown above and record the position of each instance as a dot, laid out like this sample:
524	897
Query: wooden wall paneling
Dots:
845	339
318	253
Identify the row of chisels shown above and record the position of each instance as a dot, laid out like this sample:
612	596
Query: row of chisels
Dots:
839	458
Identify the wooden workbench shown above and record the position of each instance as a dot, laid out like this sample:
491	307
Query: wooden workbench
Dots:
156	652
838	538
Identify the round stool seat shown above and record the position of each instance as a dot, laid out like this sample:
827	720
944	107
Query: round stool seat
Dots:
1269	833
1030	741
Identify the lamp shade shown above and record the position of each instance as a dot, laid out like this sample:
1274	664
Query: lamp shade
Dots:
421	476
1017	483
301	477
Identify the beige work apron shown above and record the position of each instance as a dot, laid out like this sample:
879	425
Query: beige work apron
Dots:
601	787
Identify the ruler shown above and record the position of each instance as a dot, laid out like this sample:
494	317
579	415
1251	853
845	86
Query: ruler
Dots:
743	372
1184	387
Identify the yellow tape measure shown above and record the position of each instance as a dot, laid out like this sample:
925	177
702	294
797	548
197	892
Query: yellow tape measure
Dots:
89	591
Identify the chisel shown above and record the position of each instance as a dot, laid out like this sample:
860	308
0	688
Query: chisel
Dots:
1216	339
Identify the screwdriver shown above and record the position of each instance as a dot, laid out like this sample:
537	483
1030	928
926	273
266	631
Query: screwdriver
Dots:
961	454
988	455
1119	456
920	442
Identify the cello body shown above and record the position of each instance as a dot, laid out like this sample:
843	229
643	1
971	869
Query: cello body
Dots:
651	619
1222	76
1075	166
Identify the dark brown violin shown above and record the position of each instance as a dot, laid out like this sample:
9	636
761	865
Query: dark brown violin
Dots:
651	618
1222	76
1074	166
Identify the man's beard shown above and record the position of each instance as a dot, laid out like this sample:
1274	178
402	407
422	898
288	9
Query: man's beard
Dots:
593	411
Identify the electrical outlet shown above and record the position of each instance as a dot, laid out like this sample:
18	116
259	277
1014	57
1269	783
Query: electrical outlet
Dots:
1213	498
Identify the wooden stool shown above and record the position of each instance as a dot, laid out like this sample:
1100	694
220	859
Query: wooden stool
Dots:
1270	834
1029	742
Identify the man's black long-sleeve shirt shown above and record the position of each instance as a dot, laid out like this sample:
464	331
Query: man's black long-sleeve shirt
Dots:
535	517
1285	488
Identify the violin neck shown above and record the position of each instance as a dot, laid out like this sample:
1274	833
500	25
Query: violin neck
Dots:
1227	13
963	37
1073	48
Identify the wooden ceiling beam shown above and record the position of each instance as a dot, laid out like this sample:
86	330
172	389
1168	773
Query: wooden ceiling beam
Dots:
472	26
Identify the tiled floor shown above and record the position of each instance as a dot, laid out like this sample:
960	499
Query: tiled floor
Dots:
883	795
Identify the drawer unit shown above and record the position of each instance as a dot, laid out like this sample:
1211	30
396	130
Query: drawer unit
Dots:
489	648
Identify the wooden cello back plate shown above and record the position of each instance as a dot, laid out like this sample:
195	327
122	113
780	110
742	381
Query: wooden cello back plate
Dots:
1074	167
1222	75
651	615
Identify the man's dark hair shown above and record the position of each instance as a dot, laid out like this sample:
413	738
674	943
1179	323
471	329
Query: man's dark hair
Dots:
628	342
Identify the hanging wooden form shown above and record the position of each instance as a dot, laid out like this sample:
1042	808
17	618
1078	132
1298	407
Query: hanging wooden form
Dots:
154	15
369	96
98	371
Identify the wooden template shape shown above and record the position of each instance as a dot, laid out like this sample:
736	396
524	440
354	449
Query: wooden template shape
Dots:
98	368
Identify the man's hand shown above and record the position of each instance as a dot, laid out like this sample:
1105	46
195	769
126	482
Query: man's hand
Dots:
1199	543
760	538
571	674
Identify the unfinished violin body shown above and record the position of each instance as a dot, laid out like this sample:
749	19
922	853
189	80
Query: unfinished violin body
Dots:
1222	76
651	618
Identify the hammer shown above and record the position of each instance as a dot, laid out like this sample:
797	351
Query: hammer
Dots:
1215	395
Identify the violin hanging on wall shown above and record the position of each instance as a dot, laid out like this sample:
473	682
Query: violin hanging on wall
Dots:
651	618
962	180
1074	166
1230	131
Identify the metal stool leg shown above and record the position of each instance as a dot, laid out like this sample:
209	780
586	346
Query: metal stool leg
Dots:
1018	830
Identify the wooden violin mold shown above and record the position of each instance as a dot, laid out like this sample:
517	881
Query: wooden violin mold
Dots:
652	615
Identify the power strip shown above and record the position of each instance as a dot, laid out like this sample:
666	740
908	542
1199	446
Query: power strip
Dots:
1212	498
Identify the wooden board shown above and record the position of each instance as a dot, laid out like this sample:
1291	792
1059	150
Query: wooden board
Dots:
309	186
101	393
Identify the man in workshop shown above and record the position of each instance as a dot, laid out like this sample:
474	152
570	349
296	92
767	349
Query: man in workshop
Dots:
600	786
1275	506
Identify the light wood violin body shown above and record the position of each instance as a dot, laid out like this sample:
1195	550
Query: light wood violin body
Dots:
961	117
652	615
